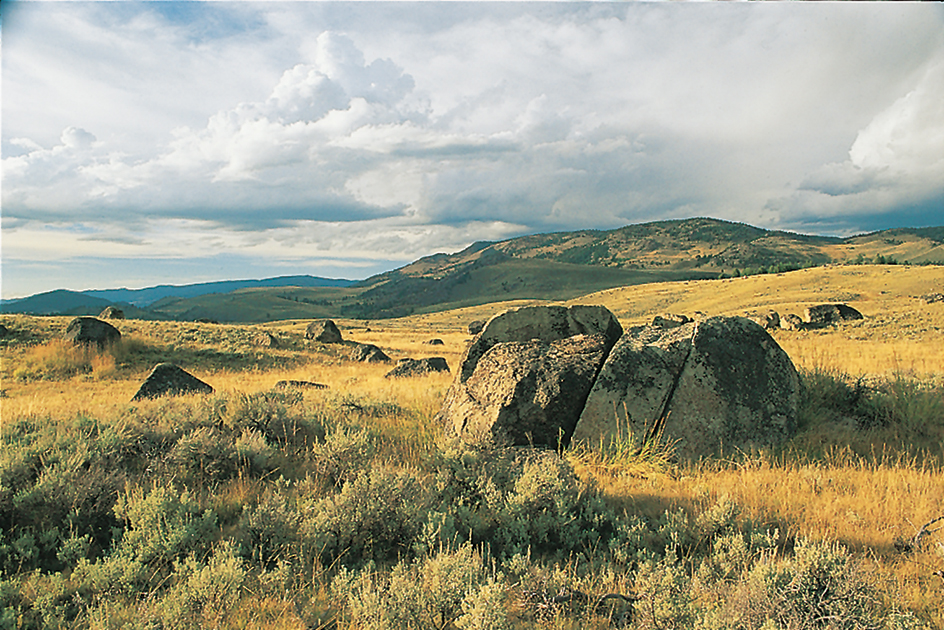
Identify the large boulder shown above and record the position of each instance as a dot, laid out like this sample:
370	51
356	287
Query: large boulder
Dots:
89	330
167	379
525	377
323	330
710	386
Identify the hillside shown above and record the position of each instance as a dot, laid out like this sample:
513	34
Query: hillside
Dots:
557	266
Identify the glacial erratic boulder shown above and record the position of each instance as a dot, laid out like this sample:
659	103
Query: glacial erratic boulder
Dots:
89	330
526	375
768	320
265	340
711	386
323	330
369	353
418	367
167	379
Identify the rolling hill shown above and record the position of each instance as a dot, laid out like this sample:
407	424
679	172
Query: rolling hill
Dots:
556	266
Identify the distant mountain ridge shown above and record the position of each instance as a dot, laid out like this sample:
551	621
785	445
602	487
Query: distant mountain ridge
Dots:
554	266
64	301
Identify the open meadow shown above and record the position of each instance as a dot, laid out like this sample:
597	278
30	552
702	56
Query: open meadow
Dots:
347	507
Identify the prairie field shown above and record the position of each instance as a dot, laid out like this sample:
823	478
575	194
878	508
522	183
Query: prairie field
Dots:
347	506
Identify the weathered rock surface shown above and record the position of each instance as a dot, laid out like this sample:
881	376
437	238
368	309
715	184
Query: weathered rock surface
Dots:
525	377
112	312
418	367
167	379
670	320
791	322
369	353
89	330
711	386
476	327
323	330
932	298
823	315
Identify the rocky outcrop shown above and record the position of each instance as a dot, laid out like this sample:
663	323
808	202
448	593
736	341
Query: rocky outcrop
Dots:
369	353
476	326
716	385
418	367
525	377
323	330
89	330
547	375
112	312
167	379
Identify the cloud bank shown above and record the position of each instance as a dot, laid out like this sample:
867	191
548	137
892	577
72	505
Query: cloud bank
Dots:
299	136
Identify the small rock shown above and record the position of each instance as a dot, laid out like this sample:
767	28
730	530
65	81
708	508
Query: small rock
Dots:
369	353
768	320
89	330
931	298
791	322
670	321
418	367
299	385
206	320
112	312
435	342
323	330
167	379
265	340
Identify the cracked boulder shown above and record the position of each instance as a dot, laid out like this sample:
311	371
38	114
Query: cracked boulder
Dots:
525	377
711	386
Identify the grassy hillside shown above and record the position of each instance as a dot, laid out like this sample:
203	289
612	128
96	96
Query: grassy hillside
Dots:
556	266
347	508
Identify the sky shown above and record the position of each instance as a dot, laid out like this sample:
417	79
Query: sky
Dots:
148	143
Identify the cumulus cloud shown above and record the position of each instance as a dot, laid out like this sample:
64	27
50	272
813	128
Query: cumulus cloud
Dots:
452	122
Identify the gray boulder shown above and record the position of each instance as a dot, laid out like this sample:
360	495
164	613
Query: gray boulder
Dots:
792	322
526	375
418	367
299	385
369	353
265	340
710	386
323	330
167	379
435	342
4	331
89	330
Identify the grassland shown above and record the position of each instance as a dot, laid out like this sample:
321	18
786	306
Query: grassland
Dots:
346	507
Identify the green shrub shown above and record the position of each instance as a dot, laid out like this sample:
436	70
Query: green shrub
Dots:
202	593
269	532
378	515
344	453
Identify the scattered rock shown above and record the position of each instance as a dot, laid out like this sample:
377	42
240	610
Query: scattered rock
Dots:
323	330
768	320
823	315
418	367
206	320
265	340
299	385
931	298
670	321
369	353
476	327
525	378
435	342
167	379
112	312
709	386
89	330
791	322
